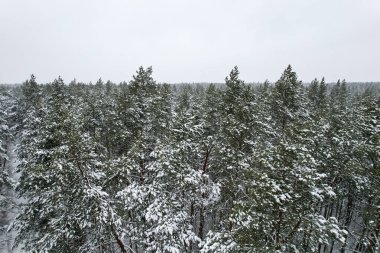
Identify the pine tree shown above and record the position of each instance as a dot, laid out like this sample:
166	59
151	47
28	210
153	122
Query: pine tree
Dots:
6	139
280	189
286	100
144	167
367	175
66	209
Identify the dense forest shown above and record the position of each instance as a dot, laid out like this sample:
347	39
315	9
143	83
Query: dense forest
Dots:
146	167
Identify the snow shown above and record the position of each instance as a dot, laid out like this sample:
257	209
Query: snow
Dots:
7	237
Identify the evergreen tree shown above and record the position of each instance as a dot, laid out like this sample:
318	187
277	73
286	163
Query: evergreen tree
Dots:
367	174
144	167
66	209
6	139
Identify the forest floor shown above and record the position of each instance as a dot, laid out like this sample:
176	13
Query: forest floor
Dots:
7	216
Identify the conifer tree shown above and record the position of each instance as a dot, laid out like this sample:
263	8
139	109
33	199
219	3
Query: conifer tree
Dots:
286	100
6	139
66	209
277	208
144	167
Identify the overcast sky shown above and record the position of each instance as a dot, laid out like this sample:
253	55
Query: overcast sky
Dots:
189	40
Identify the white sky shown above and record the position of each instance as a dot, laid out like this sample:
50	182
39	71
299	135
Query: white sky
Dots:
189	40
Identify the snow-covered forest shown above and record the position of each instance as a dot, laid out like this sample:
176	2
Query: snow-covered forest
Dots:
146	167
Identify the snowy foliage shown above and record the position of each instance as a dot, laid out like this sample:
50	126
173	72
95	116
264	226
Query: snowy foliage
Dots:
148	167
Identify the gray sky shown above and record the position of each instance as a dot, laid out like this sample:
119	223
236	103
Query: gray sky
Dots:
189	40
